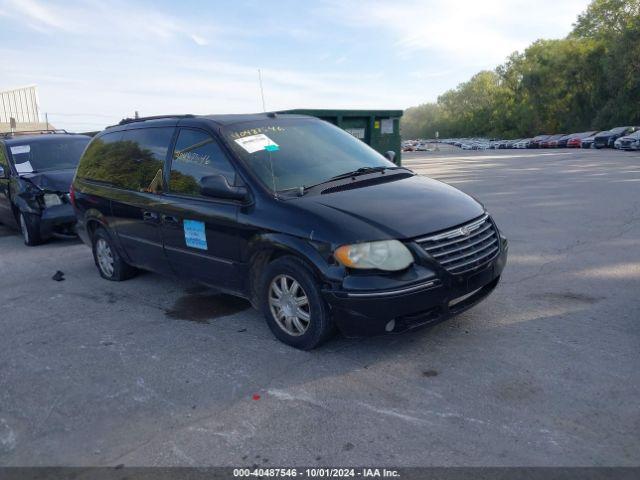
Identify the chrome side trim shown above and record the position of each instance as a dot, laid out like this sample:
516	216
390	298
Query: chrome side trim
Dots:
461	231
198	254
140	240
177	249
400	291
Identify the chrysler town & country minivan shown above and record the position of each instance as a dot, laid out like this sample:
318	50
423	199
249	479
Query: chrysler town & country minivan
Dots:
316	229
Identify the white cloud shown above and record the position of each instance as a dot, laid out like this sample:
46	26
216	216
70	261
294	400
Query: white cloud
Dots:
199	40
37	14
426	74
106	20
95	62
477	32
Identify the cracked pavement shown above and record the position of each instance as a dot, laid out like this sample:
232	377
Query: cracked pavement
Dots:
151	371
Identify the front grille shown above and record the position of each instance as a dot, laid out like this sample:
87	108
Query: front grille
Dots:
464	248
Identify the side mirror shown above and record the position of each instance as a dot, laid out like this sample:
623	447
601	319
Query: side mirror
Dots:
390	155
216	186
2	172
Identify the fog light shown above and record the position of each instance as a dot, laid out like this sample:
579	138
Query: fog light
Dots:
390	326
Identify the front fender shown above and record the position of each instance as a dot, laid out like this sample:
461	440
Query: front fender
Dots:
25	197
316	254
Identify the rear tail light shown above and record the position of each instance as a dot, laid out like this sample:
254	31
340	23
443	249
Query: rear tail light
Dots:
72	196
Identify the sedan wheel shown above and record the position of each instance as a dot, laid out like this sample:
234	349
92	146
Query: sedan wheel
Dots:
24	229
30	228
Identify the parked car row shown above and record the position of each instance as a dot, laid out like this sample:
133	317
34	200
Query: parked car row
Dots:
311	225
418	145
623	138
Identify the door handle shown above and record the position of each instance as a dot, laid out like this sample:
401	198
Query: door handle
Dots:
152	217
170	221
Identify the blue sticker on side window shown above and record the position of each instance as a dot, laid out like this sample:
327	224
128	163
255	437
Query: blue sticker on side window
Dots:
194	234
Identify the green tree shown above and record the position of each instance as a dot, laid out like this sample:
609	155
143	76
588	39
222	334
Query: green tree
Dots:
591	79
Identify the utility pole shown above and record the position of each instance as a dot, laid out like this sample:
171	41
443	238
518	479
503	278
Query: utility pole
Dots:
46	119
264	108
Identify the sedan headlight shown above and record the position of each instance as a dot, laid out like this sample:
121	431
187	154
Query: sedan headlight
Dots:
388	255
52	199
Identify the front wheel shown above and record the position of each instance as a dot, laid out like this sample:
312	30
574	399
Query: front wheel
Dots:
30	229
293	306
109	262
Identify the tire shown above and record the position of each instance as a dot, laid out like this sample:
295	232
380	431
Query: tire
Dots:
302	334
110	264
30	228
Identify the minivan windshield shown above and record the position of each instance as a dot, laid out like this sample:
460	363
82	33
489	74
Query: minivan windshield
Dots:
51	154
287	153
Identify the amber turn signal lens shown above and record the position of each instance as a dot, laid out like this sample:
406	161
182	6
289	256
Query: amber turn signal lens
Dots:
342	255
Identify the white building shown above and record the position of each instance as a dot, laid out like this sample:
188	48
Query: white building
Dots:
22	105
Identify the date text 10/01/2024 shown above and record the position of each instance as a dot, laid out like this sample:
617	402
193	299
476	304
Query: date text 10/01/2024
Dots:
317	472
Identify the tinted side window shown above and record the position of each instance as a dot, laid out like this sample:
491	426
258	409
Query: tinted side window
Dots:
197	155
146	151
102	159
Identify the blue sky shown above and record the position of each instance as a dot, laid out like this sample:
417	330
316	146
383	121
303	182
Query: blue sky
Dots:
95	61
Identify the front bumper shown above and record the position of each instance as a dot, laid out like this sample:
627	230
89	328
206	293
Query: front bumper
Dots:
57	219
426	302
629	146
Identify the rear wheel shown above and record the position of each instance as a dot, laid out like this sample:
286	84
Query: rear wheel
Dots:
109	262
293	306
30	228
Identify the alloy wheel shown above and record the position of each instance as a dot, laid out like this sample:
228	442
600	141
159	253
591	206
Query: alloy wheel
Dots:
289	305
105	257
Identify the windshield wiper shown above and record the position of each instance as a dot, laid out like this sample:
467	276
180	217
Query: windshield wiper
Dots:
354	173
359	171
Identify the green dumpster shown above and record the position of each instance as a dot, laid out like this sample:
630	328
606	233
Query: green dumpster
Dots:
380	129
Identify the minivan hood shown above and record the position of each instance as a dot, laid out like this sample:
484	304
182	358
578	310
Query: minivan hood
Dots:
404	208
53	181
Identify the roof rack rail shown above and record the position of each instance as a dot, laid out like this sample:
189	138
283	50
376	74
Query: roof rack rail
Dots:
33	132
126	121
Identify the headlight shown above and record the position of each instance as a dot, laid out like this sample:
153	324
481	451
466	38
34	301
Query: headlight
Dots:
384	255
51	200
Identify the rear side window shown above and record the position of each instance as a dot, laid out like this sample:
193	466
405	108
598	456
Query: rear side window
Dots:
101	159
132	159
148	149
196	155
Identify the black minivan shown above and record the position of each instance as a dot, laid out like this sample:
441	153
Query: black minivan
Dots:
312	226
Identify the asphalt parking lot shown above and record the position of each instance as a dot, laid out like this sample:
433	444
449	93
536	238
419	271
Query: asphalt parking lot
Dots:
150	371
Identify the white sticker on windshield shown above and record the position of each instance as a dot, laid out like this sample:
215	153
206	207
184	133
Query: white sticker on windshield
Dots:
255	143
24	167
18	149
